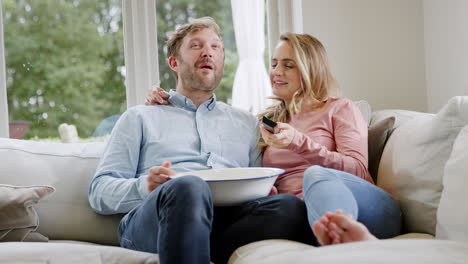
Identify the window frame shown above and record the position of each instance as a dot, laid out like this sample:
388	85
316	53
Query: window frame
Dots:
283	16
140	49
4	128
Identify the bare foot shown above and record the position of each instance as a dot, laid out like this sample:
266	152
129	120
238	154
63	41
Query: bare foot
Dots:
320	229
337	228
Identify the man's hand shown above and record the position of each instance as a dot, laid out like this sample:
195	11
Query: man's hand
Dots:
280	140
156	96
158	175
273	191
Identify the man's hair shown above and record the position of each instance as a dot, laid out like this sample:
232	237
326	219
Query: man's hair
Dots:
175	40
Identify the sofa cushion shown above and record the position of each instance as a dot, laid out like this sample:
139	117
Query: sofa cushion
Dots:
59	253
401	116
18	219
452	215
66	215
413	161
411	251
377	137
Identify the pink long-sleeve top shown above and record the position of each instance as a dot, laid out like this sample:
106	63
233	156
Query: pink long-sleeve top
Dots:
333	137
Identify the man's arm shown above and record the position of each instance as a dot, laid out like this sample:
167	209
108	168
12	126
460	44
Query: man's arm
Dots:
255	155
115	188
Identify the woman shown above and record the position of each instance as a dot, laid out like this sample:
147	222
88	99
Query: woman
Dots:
326	132
321	143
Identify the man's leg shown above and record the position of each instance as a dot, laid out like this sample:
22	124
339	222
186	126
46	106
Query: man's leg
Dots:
281	216
326	190
174	221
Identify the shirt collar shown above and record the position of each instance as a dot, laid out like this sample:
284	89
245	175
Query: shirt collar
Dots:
178	100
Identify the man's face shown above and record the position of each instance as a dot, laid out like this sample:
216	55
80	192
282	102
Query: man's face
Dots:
200	63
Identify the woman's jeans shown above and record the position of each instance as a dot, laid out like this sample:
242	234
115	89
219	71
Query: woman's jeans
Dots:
328	190
178	221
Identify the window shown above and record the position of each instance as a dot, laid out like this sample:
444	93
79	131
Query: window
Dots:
173	13
64	64
65	59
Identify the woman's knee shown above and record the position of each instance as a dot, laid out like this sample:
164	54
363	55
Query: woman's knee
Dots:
317	173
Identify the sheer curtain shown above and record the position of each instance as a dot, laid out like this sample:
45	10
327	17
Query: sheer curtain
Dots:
251	84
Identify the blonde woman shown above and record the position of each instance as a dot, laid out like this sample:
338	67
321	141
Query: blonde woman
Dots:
321	142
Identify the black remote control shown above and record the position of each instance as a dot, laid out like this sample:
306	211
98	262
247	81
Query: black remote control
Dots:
269	124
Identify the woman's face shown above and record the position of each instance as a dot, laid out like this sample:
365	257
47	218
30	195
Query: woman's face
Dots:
284	75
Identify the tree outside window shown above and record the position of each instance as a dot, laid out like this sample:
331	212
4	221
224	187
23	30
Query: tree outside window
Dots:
64	63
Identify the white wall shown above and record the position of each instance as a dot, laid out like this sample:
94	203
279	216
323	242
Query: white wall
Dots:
376	48
446	47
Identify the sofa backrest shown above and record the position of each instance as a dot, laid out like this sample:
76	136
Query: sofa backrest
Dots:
66	214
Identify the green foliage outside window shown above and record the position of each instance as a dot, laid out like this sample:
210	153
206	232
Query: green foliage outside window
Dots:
62	60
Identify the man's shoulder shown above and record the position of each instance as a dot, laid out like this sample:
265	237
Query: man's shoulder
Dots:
144	109
235	111
142	113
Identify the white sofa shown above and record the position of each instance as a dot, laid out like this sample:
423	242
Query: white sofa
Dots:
414	167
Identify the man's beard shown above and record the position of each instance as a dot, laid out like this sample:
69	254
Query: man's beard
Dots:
192	79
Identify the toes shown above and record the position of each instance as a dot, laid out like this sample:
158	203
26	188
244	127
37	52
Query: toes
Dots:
321	233
337	229
335	237
342	221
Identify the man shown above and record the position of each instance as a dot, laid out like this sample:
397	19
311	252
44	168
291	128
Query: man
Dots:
176	218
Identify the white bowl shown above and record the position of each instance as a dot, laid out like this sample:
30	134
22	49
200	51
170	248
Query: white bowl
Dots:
233	186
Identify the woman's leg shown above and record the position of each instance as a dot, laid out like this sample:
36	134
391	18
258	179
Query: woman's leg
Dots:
326	190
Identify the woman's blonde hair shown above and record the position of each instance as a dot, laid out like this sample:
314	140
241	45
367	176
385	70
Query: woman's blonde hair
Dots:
317	82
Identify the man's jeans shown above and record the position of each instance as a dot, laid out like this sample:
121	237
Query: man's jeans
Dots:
178	219
328	189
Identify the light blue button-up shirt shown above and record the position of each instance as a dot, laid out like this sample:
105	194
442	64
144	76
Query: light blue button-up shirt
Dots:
214	135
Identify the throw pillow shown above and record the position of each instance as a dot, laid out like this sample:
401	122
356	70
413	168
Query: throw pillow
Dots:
452	215
18	219
377	137
413	162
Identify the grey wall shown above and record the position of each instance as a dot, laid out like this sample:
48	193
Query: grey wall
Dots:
376	48
446	46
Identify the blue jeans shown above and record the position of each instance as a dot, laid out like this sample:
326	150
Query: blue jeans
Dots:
178	221
327	189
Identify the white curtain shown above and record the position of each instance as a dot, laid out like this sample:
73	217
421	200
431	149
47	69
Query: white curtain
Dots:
251	84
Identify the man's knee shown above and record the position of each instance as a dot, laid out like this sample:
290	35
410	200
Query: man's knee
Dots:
187	188
290	221
290	205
